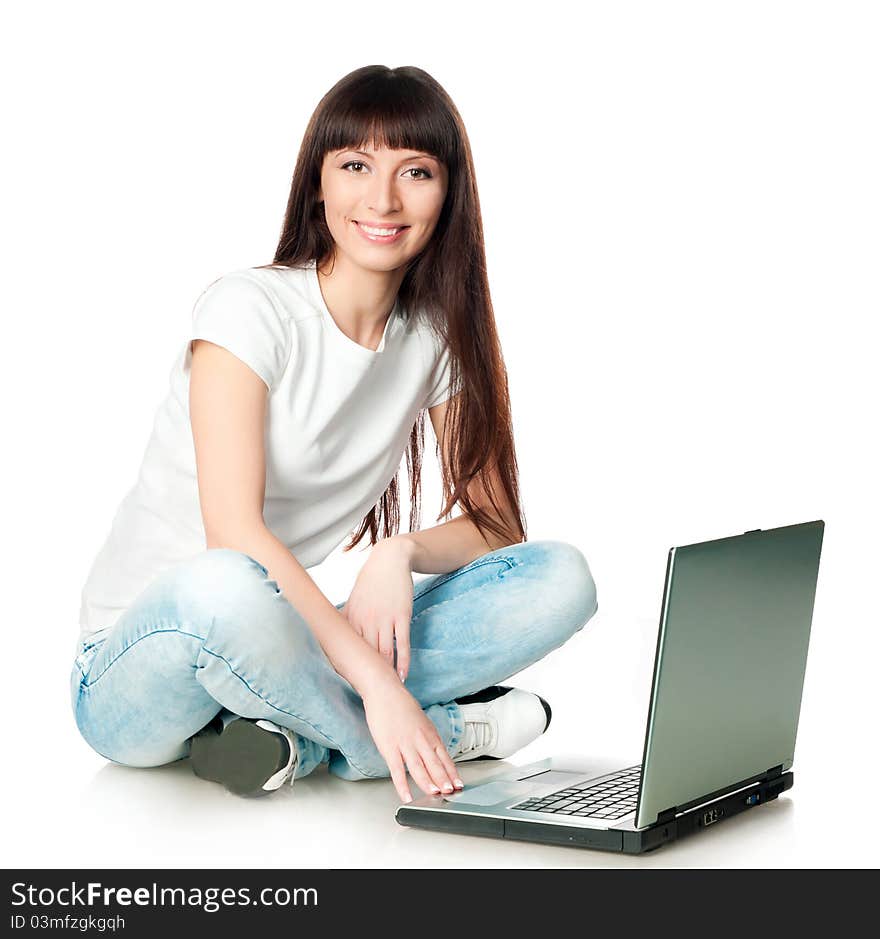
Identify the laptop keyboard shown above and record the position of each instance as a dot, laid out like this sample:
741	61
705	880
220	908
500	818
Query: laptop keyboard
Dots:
612	798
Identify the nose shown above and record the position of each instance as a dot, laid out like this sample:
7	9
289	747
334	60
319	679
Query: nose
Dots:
383	197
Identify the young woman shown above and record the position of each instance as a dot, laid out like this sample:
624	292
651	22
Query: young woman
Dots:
302	385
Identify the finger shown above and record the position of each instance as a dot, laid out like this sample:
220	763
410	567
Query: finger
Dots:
403	652
449	764
436	768
398	776
418	772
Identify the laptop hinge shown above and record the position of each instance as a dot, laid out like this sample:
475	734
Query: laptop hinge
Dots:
667	815
774	772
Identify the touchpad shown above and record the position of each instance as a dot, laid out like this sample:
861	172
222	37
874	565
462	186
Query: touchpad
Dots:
490	793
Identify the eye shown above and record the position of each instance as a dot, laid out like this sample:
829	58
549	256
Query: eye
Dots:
413	169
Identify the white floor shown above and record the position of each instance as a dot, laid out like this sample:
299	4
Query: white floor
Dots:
67	807
166	817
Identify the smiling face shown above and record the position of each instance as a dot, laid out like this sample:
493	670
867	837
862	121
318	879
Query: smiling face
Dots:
382	205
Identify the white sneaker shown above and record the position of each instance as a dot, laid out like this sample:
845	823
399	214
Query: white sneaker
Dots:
498	721
249	757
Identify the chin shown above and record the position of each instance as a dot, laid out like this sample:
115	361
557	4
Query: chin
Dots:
372	263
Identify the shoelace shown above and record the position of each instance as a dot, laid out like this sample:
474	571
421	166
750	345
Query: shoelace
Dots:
476	734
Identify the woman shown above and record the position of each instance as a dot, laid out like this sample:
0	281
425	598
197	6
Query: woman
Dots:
201	632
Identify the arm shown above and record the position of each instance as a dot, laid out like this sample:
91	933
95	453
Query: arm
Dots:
440	549
227	411
359	664
448	546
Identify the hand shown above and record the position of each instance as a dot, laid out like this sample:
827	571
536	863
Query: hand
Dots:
407	739
380	606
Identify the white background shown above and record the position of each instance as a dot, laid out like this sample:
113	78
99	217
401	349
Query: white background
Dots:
680	204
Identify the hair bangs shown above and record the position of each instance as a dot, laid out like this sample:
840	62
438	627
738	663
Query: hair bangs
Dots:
394	111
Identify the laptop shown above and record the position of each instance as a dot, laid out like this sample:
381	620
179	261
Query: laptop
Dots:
722	718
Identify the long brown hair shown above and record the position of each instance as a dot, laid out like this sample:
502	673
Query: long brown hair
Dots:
406	108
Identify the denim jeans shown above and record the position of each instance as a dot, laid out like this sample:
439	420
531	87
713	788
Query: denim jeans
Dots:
215	634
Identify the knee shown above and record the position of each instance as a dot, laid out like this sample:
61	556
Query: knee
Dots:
221	571
134	747
224	585
569	584
246	619
141	759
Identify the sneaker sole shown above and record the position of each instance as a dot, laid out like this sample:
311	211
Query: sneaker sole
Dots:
241	756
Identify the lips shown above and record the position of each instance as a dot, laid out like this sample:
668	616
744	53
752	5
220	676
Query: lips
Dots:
372	231
377	227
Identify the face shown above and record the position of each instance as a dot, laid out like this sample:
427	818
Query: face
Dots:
382	206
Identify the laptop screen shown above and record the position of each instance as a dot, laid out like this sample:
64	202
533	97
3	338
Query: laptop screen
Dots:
731	657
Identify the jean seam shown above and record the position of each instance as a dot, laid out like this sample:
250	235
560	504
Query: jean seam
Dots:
131	645
511	562
154	632
84	661
434	606
275	707
263	569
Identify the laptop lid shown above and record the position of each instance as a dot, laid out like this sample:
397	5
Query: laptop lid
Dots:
730	663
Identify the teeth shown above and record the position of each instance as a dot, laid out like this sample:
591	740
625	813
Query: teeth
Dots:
379	231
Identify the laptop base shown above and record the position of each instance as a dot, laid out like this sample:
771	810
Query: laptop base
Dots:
626	842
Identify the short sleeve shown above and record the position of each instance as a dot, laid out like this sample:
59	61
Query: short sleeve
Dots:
439	389
239	314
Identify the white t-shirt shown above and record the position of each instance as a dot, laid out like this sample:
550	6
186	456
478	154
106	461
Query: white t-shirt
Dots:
338	423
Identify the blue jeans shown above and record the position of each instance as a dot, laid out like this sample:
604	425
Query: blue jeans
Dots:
215	634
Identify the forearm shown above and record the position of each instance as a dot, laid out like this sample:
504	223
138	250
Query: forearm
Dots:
358	663
445	547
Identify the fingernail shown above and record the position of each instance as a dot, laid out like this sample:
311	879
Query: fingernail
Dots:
458	783
407	798
402	676
435	790
447	787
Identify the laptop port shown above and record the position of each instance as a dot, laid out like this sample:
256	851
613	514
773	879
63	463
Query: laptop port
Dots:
712	816
753	799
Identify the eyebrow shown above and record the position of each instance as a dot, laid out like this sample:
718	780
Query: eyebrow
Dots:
417	156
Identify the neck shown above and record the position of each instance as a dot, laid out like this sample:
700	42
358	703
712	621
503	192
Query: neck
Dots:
359	300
